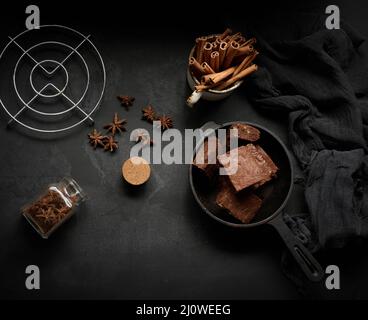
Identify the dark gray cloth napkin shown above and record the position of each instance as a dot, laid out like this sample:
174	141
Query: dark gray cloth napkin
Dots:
320	83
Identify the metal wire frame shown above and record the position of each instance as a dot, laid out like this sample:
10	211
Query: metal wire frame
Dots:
75	105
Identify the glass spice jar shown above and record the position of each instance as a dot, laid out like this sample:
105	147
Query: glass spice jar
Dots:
54	206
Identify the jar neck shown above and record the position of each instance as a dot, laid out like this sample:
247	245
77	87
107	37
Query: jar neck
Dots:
72	190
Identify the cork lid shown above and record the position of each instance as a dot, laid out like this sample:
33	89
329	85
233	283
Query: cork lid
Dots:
136	171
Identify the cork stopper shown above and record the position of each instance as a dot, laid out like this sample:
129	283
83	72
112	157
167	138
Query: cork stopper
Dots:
136	171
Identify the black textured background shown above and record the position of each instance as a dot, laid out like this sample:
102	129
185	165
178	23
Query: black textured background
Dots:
153	242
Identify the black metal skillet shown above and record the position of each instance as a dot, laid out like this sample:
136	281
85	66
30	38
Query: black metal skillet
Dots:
275	195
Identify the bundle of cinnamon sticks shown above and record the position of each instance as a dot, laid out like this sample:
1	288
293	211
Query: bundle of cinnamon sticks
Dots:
221	60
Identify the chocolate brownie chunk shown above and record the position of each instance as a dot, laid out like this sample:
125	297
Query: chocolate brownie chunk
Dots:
243	206
270	164
253	166
245	132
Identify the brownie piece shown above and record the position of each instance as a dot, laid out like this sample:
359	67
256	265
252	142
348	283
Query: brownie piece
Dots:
254	167
270	163
206	157
246	132
243	206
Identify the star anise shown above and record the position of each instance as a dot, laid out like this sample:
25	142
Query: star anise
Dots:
166	122
48	215
126	101
144	137
149	113
110	144
117	125
61	213
96	139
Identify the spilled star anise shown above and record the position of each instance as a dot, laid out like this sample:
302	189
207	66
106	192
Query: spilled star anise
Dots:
110	144
126	101
166	122
96	139
149	113
117	125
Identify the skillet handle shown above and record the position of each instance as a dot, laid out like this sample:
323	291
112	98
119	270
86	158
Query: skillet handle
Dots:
310	266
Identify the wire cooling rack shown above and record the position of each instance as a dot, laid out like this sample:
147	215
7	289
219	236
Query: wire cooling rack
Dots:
52	79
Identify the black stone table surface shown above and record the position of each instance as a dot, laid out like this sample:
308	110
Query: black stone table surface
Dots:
153	242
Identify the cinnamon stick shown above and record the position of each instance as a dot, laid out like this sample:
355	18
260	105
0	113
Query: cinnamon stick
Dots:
245	63
241	41
251	41
226	33
196	68
234	36
215	61
238	77
206	68
230	54
199	48
203	87
215	78
227	39
245	50
222	52
211	38
238	37
207	50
